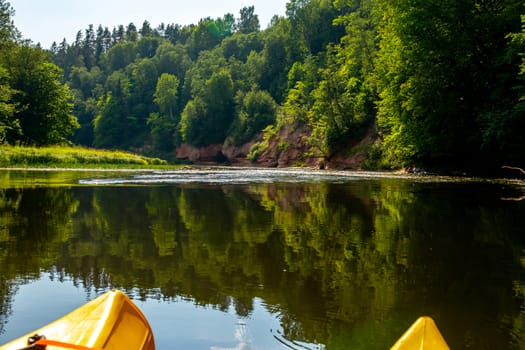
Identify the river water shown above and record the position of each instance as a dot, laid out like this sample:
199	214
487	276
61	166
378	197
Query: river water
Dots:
268	259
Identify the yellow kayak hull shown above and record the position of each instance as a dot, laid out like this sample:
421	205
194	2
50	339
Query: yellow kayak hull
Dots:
422	335
110	322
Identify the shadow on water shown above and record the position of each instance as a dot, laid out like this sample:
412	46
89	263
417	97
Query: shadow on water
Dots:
341	262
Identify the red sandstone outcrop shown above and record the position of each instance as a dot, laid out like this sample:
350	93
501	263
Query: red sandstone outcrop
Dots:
287	148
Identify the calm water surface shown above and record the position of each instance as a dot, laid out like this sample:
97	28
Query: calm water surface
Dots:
268	259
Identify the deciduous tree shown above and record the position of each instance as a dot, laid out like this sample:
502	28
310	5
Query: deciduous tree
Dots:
255	111
9	125
45	104
248	21
207	118
163	124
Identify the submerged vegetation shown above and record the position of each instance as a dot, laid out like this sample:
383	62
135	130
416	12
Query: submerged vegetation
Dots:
74	157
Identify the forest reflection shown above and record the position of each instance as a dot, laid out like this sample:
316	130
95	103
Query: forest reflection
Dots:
345	264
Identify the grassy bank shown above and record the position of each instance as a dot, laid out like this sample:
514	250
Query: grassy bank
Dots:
72	157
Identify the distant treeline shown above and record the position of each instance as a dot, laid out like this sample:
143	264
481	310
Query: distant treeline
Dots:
442	82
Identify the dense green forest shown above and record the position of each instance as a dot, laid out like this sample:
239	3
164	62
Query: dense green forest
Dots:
440	83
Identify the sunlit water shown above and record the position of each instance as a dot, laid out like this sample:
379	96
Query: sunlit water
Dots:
178	324
268	259
230	176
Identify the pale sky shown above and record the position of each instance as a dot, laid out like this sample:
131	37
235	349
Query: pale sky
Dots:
45	21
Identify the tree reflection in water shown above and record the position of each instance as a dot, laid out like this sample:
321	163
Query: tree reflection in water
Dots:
347	264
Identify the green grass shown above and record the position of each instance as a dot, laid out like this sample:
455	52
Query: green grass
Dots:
72	157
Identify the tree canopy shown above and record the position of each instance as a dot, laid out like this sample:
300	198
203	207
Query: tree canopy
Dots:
438	82
35	106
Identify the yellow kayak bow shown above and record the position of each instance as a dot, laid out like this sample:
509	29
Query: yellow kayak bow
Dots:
422	335
110	322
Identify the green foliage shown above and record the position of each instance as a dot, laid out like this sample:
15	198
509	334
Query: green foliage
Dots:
8	31
276	61
520	86
192	125
87	88
229	72
331	92
44	103
502	125
518	39
207	118
166	93
248	21
241	46
377	159
201	70
143	80
255	151
311	25
442	80
259	148
120	56
438	76
17	156
54	115
163	125
173	59
302	80
111	126
35	107
147	46
256	110
209	33
8	123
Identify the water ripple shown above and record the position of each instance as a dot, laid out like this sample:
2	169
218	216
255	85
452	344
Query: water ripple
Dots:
224	176
234	176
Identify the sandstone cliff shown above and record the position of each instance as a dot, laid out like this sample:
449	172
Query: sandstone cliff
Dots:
287	148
